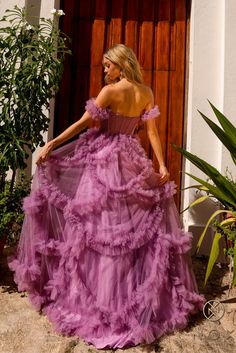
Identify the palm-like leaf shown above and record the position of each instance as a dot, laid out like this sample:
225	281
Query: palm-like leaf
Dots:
196	202
227	139
220	187
228	127
215	249
223	189
213	216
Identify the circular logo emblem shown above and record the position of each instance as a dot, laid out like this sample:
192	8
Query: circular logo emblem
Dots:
213	310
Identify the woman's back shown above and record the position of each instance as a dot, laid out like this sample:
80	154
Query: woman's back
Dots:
128	98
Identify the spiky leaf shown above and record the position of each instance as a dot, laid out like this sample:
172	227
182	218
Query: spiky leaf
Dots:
215	249
224	185
216	213
228	127
196	202
228	141
222	197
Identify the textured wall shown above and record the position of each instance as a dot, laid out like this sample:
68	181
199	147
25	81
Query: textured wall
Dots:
212	73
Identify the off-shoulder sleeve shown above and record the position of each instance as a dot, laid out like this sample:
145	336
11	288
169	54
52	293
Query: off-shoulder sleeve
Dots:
96	112
151	114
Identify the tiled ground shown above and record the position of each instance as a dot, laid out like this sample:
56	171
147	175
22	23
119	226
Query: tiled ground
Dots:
23	330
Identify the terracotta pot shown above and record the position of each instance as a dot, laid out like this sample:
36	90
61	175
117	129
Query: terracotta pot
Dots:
228	215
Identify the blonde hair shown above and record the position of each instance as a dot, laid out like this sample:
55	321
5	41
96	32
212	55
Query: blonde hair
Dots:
125	58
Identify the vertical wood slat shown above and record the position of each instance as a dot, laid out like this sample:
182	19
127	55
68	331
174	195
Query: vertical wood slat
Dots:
116	23
162	9
101	9
161	81
181	10
132	10
115	32
162	50
146	10
131	35
160	89
96	75
97	49
177	88
146	50
173	47
80	80
85	8
162	46
131	25
161	94
146	43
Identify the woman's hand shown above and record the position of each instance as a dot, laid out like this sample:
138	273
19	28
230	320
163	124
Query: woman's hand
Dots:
45	152
165	175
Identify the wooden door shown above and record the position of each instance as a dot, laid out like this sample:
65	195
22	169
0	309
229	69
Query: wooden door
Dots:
156	31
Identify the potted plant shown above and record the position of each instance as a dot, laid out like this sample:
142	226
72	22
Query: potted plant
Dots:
221	188
31	61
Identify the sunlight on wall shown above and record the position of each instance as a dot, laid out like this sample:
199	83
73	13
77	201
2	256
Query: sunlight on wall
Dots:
212	74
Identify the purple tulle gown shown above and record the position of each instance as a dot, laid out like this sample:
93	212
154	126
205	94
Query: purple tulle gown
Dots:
101	251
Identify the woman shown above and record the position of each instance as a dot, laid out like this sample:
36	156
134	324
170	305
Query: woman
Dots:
101	250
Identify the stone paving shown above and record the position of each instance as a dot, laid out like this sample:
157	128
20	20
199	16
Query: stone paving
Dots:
24	330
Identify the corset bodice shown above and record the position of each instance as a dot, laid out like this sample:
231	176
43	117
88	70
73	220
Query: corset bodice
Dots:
116	123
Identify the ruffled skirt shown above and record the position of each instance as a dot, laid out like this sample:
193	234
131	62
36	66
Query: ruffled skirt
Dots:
101	251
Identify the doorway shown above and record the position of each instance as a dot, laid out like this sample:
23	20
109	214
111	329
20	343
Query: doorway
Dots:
156	30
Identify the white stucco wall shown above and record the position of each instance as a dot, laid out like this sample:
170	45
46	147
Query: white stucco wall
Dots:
9	4
212	73
229	96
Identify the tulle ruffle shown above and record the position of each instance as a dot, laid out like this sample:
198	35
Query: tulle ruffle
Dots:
102	322
95	111
101	250
103	325
151	114
101	113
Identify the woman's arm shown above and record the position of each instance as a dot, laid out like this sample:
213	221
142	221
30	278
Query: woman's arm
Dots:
103	100
154	138
155	141
71	131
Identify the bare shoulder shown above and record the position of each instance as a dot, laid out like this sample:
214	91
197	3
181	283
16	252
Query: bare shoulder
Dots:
111	90
149	92
149	98
104	97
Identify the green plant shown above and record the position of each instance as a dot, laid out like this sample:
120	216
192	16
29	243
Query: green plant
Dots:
218	187
31	66
11	212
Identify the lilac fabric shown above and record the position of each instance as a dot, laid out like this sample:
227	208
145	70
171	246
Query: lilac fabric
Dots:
102	252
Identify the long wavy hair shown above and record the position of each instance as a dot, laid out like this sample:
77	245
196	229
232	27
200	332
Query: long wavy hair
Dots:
125	58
